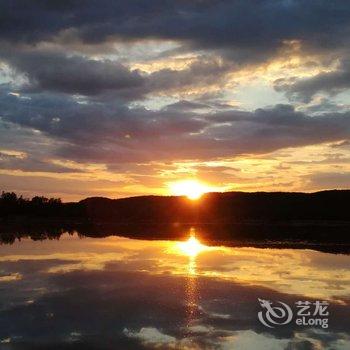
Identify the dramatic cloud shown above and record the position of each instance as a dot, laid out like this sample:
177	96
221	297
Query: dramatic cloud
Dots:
111	132
75	75
52	71
109	86
246	27
330	83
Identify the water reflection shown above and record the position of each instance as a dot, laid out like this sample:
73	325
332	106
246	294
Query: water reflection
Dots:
191	292
103	293
192	247
326	239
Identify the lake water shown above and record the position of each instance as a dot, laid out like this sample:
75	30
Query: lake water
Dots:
120	293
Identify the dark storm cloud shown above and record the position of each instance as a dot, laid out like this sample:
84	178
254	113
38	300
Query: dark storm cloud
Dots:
111	132
104	132
251	30
262	131
330	83
50	71
243	31
40	41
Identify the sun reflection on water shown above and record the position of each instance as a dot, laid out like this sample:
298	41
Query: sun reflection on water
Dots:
191	294
192	247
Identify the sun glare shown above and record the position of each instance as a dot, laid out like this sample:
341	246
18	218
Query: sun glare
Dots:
192	189
192	247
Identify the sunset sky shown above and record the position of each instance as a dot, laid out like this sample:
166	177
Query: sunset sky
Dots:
120	98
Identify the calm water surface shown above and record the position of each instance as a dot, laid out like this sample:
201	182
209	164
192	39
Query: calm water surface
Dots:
119	293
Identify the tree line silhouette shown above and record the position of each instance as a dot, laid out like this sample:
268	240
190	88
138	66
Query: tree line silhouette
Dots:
315	218
228	207
14	206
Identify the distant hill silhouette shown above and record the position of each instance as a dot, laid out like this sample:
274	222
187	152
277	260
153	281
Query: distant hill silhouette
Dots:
222	208
236	217
212	208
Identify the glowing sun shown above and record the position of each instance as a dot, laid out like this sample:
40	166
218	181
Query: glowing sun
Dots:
192	189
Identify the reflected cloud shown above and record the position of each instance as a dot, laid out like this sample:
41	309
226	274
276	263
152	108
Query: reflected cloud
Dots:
286	270
151	336
149	294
